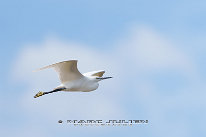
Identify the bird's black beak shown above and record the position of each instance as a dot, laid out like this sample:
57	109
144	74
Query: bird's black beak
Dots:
103	78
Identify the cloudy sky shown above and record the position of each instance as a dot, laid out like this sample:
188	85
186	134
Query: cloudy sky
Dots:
155	50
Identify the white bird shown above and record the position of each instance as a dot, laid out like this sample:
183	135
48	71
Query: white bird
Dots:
72	80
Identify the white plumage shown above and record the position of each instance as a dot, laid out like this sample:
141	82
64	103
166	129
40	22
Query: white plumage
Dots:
72	80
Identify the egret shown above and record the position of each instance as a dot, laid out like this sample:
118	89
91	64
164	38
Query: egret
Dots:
72	80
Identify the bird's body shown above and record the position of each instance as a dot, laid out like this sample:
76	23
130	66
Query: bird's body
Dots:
72	80
84	84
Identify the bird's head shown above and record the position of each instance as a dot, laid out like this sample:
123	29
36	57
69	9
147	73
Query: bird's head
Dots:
96	75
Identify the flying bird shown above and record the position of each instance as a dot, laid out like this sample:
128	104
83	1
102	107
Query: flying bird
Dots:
72	80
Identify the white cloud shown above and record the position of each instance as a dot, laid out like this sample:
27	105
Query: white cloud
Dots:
94	104
151	53
150	50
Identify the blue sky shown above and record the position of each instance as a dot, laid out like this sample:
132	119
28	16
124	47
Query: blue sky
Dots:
154	49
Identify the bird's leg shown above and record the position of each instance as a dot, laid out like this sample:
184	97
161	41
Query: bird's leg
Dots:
40	93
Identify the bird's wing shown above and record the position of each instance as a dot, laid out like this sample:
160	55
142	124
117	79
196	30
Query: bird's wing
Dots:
67	70
98	73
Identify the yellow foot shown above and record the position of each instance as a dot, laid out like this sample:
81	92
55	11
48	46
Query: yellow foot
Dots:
40	93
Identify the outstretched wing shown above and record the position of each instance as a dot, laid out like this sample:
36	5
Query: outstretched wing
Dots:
67	70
